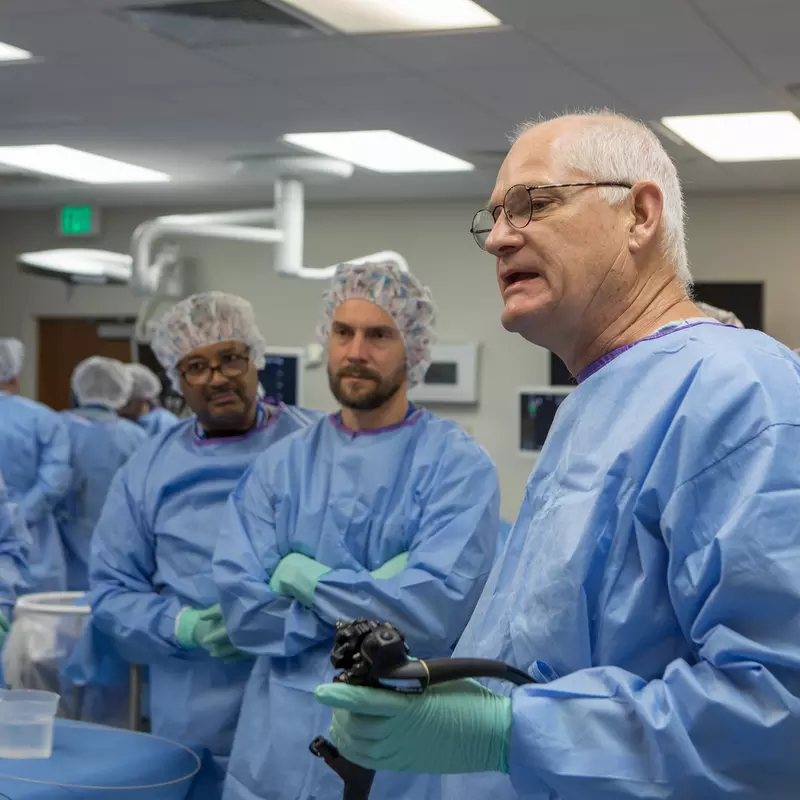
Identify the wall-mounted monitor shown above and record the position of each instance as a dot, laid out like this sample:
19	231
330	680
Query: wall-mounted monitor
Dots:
452	376
537	407
282	376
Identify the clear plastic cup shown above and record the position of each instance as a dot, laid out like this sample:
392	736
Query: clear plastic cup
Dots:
26	723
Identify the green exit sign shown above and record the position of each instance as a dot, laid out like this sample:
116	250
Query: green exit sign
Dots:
79	221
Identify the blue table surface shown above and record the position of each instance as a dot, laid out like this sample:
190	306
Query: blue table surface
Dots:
95	762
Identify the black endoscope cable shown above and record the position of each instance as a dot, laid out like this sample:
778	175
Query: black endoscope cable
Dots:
374	654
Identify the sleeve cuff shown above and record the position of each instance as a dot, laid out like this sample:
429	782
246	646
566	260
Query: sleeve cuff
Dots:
184	628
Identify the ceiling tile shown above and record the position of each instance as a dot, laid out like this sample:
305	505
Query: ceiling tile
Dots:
533	14
306	58
501	48
78	33
640	38
760	31
690	85
376	91
555	90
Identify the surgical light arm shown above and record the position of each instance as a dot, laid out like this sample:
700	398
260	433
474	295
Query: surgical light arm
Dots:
287	218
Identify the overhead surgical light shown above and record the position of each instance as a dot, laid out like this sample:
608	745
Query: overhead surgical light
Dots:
79	266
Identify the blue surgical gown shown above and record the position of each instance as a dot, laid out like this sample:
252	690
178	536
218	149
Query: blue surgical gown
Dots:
655	567
352	502
151	556
35	462
157	420
15	545
101	442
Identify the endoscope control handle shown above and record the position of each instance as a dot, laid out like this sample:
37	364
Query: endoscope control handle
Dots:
357	780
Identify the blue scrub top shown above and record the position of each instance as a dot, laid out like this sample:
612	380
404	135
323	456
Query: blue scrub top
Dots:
352	501
151	557
655	567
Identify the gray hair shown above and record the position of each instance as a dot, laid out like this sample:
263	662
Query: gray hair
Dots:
617	148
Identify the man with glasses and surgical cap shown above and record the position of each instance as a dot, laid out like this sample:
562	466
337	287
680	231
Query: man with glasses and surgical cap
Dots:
651	583
35	462
151	587
381	510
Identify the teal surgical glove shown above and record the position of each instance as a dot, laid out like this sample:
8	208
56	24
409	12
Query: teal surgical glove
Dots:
455	728
297	576
394	566
206	629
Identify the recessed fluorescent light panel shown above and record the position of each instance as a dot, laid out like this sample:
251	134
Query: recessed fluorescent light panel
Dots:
75	165
395	16
380	151
766	136
10	53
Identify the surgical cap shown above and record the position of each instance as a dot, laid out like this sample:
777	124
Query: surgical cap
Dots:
99	381
146	385
12	354
720	314
400	295
204	319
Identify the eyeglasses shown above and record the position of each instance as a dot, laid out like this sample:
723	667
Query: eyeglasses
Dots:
200	373
520	207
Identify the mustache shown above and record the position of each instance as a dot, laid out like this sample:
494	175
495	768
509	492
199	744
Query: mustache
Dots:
213	394
357	372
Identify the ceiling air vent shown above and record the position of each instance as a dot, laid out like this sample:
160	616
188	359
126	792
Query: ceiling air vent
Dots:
202	24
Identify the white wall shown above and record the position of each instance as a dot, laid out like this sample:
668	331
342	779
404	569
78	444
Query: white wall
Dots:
753	238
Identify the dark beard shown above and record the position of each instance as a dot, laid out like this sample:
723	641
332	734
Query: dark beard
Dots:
381	393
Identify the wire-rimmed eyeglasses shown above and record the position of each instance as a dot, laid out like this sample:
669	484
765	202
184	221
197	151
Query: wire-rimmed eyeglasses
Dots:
520	207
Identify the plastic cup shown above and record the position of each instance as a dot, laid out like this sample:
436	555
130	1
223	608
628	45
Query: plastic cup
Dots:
26	723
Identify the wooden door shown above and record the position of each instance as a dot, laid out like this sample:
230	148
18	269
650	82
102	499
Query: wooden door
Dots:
64	343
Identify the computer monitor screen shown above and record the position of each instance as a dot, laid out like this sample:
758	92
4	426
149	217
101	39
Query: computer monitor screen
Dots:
281	379
537	409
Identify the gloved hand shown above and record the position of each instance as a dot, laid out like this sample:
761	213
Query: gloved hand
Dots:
394	566
5	628
206	628
454	728
297	576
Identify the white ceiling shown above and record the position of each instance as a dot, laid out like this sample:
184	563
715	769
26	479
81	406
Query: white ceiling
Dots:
107	85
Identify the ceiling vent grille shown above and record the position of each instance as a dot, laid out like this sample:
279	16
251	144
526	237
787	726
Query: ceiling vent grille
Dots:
205	24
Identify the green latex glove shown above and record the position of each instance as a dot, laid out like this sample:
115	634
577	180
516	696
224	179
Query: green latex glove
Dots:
394	566
297	576
206	628
455	728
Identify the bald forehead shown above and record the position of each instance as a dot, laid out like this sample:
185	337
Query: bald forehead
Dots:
534	157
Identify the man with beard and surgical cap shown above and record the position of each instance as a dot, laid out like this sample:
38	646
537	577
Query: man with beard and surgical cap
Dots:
35	462
143	407
151	586
651	582
101	443
381	510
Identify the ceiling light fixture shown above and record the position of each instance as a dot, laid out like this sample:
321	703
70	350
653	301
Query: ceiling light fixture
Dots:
396	16
763	136
76	165
380	151
10	53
